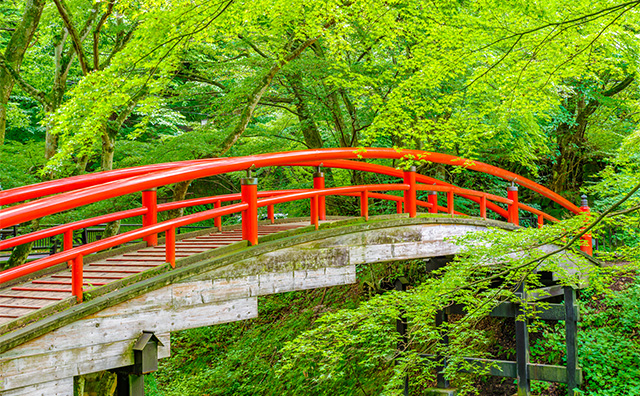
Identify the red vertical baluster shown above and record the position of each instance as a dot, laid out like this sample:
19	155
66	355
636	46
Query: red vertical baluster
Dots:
399	207
450	204
364	204
318	184
410	194
433	200
67	244
587	245
271	214
540	221
170	246
217	222
483	206
249	194
149	201
314	209
76	277
512	194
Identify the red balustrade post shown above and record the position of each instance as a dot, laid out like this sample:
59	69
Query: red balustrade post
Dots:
410	194
271	214
483	206
433	200
76	278
150	201
67	244
540	221
364	204
450	204
217	222
318	184
586	246
249	193
398	207
512	194
314	210
170	246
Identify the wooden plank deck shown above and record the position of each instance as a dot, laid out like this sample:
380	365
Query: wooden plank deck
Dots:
24	298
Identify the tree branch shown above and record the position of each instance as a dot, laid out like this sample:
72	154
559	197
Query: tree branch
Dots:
253	46
26	87
539	260
96	34
75	37
256	95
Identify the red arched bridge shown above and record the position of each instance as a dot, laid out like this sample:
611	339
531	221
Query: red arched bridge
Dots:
41	302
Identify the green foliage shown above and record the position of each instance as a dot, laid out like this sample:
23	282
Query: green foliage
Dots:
608	344
241	358
19	163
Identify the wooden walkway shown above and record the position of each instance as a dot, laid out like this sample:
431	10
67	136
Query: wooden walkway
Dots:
24	298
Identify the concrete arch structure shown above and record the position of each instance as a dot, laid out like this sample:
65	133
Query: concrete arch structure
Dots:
217	286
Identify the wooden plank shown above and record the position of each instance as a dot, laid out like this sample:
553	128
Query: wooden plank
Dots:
58	387
63	351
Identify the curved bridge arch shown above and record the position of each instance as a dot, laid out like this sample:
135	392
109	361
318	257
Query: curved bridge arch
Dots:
316	250
98	334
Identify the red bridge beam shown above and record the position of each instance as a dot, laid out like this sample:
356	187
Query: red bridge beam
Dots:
70	200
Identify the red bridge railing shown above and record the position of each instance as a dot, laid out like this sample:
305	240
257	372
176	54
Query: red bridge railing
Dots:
78	191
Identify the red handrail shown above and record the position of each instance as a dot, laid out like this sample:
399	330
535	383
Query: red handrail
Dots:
116	183
70	200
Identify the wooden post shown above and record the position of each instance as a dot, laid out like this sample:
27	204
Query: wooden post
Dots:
442	382
571	333
400	284
398	207
450	204
522	345
410	194
249	192
149	201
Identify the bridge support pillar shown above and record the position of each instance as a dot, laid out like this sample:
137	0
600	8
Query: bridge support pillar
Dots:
512	194
587	245
318	184
149	201
249	192
410	194
522	345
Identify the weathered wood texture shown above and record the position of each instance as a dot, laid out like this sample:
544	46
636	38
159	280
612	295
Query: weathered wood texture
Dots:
217	294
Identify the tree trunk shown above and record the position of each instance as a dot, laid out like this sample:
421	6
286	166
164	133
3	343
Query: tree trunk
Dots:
254	97
20	254
111	229
573	147
14	53
108	149
309	128
179	193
